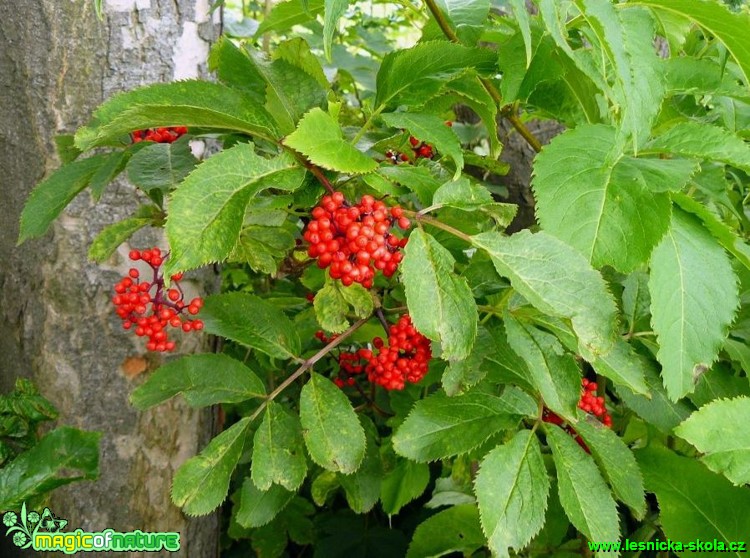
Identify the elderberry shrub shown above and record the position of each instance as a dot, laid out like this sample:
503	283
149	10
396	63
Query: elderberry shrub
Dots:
355	240
149	308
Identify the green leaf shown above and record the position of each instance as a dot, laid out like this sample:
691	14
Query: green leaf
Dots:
552	371
626	39
468	86
278	450
269	330
62	456
466	17
411	76
694	502
207	211
418	179
722	232
713	431
201	483
703	141
290	91
453	530
693	301
52	195
161	165
440	426
592	197
512	488
440	302
203	380
462	194
362	488
319	137
332	431
622	366
297	52
263	247
583	494
431	129
111	167
407	481
183	103
557	280
258	507
332	304
658	410
66	149
111	237
521	15
728	27
334	10
234	67
616	462
700	76
460	375
285	15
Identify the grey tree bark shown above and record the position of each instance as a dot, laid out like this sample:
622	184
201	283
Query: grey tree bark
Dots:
57	63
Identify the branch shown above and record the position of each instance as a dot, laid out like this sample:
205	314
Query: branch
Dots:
488	85
306	365
437	224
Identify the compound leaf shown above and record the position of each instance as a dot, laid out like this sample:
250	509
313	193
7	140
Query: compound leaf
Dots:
332	432
440	302
207	211
713	430
201	483
253	322
512	489
440	426
319	137
693	301
204	379
278	450
584	496
557	280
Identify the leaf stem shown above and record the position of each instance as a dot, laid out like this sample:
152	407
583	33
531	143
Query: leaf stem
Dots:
367	124
437	224
306	365
507	112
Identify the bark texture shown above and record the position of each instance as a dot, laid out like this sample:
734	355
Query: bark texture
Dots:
57	63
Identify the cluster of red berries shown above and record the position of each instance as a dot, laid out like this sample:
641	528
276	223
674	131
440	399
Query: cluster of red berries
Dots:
151	312
351	364
355	240
421	150
405	359
159	135
589	403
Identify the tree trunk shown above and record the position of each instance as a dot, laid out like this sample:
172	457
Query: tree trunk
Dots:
57	324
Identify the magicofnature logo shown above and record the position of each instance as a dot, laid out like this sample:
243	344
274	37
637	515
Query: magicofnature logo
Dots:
44	532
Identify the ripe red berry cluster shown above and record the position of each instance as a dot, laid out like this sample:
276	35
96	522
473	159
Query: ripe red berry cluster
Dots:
351	364
149	307
406	358
159	135
589	403
355	240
